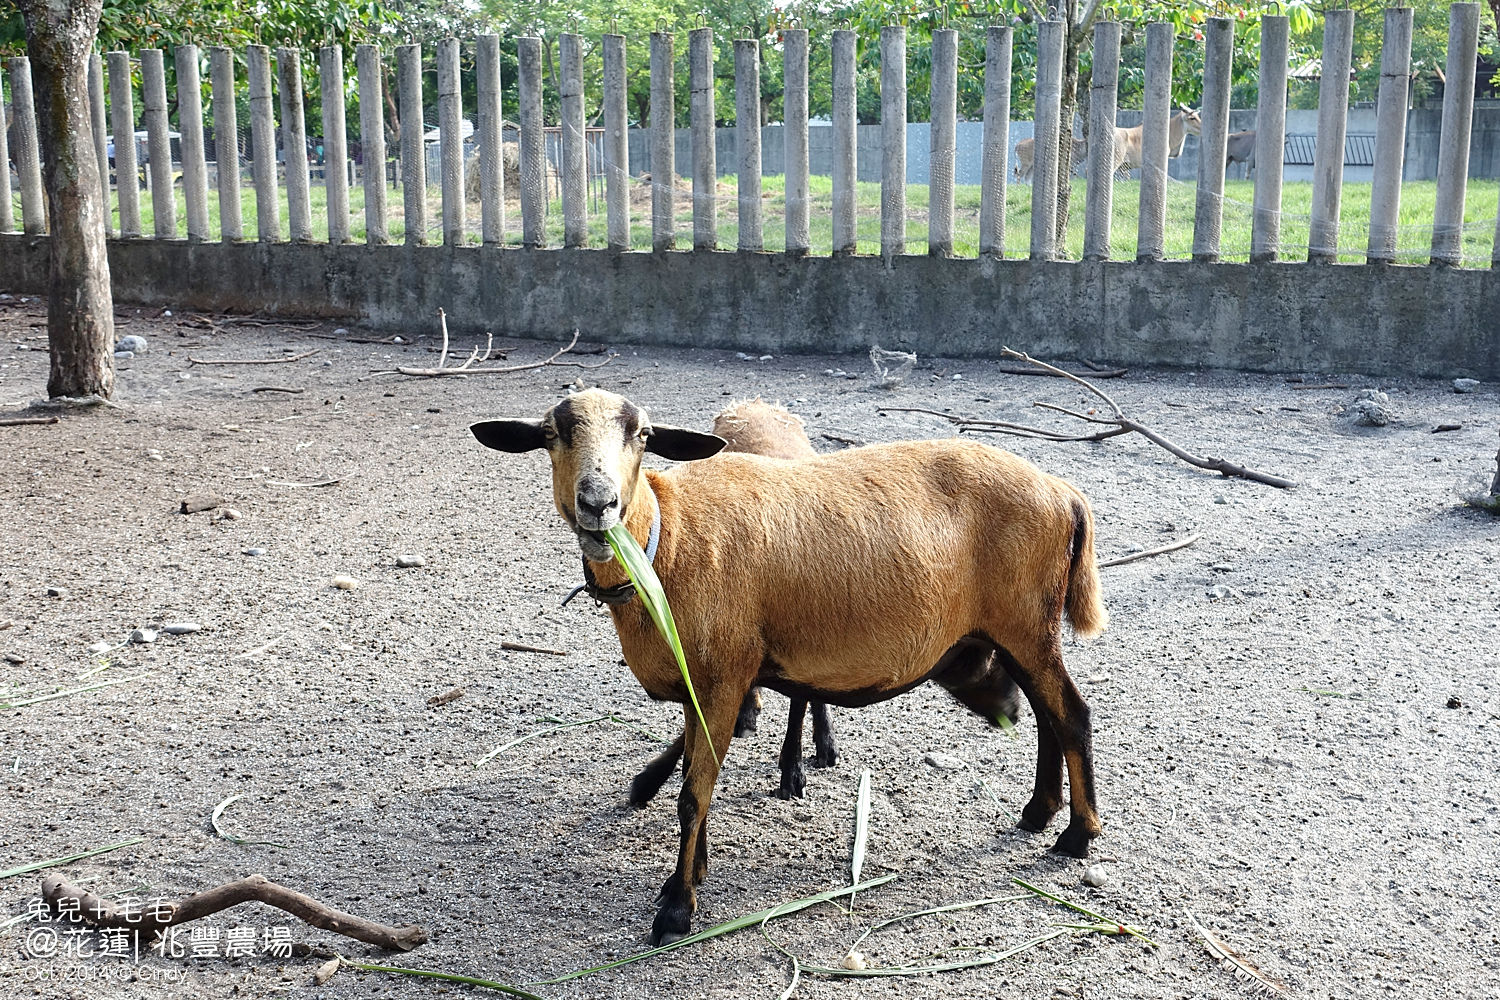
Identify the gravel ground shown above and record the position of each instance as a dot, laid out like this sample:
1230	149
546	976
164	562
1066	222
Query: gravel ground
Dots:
1295	718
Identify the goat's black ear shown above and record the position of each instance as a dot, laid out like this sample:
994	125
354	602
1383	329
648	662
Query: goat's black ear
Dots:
509	435
682	445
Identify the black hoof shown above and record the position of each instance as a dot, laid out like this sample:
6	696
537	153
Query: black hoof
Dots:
672	922
1074	841
825	756
1035	817
643	788
793	781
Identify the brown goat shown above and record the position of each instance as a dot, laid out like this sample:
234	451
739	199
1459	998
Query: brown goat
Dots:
841	578
755	427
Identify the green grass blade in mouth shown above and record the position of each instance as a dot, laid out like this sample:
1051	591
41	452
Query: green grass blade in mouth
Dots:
629	555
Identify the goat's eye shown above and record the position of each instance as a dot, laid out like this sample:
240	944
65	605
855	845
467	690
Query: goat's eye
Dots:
643	433
549	434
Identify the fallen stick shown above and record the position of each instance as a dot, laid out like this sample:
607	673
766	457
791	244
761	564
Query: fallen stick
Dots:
1181	543
467	367
304	486
252	889
1093	372
277	388
1325	385
252	361
841	439
519	647
1117	424
19	421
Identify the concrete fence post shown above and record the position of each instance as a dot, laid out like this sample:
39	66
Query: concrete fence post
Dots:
1270	140
372	140
158	143
701	120
97	115
1151	225
294	144
226	144
616	146
794	114
845	144
1390	134
533	142
996	166
263	141
1049	57
663	144
413	142
1453	145
943	146
1213	144
1103	100
491	136
122	122
7	196
747	134
451	142
335	142
893	140
194	160
26	151
575	164
1328	152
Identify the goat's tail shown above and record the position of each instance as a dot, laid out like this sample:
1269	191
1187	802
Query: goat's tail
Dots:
1085	604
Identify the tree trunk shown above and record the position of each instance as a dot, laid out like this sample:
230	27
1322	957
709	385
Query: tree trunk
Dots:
1073	37
80	309
1495	485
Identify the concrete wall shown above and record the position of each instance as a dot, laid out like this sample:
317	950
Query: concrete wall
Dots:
1392	320
1422	128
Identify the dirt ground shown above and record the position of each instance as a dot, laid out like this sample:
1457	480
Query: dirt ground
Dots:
1295	718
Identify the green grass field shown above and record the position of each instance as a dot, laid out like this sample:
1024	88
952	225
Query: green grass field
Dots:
1414	238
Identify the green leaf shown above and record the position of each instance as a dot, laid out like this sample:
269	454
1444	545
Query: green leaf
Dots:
629	555
861	830
37	866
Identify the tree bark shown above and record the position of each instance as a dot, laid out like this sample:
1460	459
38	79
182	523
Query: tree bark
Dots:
80	309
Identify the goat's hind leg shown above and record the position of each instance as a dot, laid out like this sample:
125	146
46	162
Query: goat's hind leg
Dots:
1064	737
745	722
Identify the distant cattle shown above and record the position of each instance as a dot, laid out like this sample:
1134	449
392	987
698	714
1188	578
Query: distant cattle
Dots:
1026	156
1128	140
1241	149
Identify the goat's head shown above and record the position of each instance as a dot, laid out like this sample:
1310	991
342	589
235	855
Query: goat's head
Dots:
595	440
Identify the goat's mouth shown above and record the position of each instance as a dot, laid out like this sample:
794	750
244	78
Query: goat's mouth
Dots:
594	545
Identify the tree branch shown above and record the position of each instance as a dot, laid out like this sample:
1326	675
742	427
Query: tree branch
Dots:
254	888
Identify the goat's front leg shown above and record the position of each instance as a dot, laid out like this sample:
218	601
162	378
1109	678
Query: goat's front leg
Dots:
678	898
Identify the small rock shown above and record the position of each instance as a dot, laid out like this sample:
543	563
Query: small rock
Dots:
166	313
184	375
14	660
855	961
1454	702
1370	412
143	635
957	377
133	344
230	514
1465	384
182	628
340	332
57	591
199	502
1374	396
124	355
327	363
1223	593
742	355
152	455
943	762
764	357
100	647
345	582
1222	568
253	551
398	340
326	970
410	562
1095	876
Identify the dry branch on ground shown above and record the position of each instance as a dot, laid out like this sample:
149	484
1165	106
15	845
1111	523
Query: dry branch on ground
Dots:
467	368
1115	426
61	894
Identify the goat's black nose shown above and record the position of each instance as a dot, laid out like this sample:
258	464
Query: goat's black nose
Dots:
597	505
